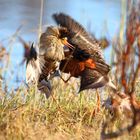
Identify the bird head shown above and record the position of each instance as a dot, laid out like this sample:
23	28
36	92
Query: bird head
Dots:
57	32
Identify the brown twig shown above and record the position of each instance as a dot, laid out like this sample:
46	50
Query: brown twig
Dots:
128	82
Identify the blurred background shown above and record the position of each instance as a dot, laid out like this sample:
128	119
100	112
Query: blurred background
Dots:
22	18
27	115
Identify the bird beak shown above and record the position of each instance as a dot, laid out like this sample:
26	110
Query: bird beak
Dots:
67	44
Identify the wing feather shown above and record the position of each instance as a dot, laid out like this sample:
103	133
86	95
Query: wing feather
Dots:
78	35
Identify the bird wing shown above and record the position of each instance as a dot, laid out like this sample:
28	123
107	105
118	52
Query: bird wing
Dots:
78	36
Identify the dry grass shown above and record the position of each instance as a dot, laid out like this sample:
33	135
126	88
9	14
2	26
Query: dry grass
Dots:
65	115
27	114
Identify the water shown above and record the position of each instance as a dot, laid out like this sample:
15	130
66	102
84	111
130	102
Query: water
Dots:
101	17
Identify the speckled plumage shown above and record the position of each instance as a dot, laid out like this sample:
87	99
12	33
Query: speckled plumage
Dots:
51	45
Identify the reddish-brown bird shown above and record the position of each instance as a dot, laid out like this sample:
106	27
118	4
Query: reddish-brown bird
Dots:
76	51
86	60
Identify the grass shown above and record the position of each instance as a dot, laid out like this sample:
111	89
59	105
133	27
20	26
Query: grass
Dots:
25	114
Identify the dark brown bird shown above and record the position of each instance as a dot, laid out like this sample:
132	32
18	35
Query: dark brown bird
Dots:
86	59
76	51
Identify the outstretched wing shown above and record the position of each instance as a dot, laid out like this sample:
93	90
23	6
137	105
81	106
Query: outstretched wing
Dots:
78	36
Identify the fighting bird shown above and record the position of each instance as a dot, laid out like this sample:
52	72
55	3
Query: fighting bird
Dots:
86	59
70	49
43	60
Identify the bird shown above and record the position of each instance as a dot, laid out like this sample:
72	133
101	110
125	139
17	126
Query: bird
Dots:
70	49
52	48
42	61
86	61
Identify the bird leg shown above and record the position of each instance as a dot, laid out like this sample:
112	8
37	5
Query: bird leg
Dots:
95	110
98	101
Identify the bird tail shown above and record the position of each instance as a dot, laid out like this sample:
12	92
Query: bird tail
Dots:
92	79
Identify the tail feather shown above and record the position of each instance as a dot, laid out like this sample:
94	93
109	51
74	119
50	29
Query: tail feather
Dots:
92	79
